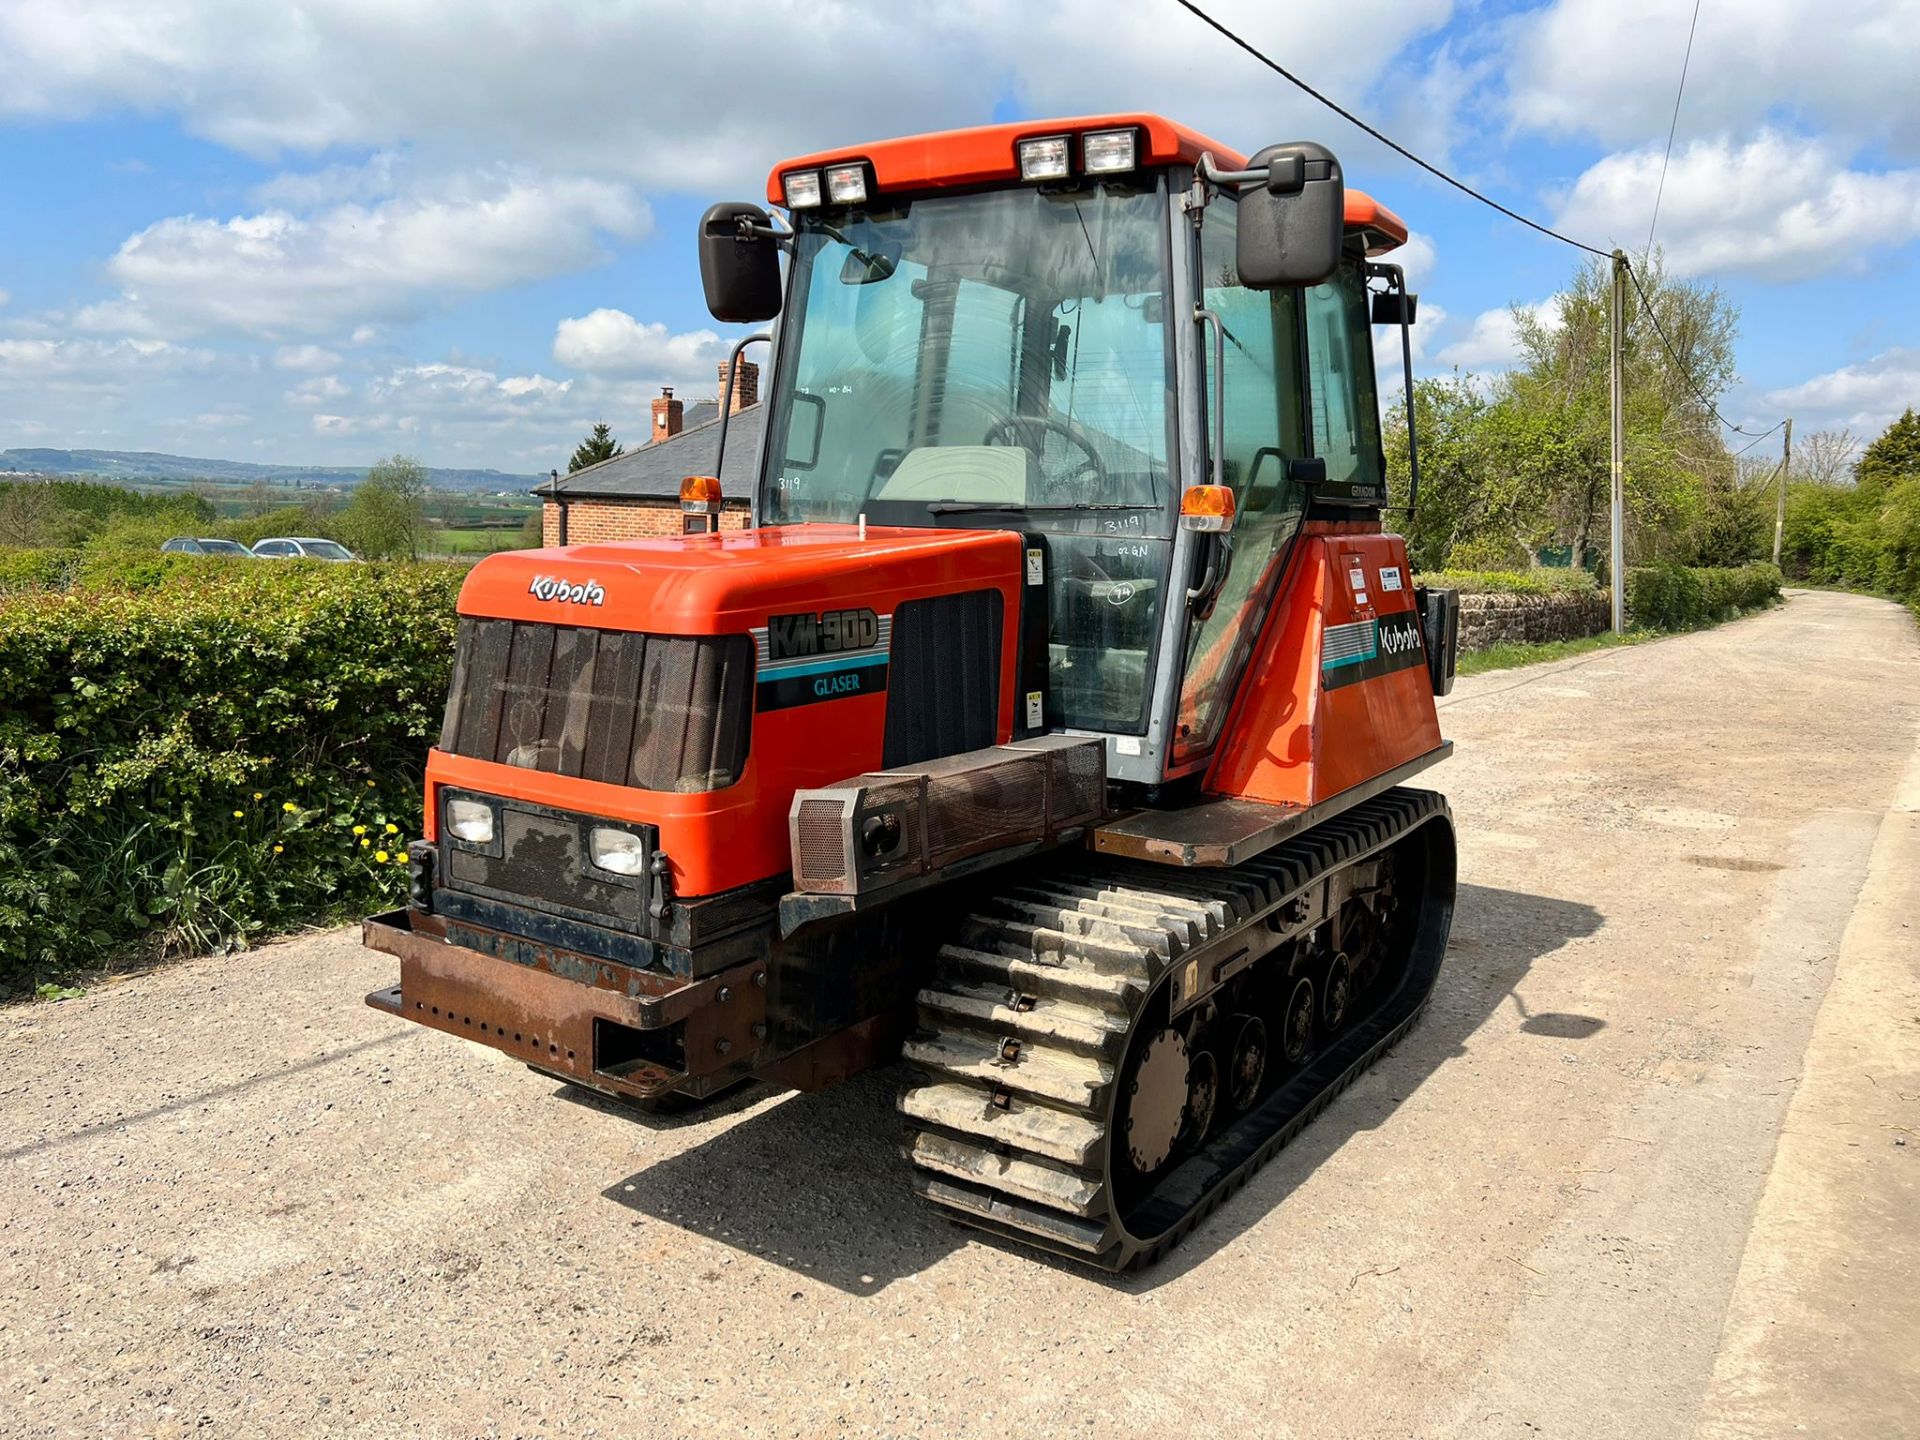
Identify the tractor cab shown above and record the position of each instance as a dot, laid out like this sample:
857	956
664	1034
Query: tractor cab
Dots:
1051	328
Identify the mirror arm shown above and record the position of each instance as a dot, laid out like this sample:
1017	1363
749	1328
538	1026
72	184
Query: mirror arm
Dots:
726	407
1396	278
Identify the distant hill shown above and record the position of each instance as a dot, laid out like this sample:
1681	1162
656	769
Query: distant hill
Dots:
138	467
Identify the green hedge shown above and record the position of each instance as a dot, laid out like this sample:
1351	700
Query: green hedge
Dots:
191	765
36	569
1676	597
1541	581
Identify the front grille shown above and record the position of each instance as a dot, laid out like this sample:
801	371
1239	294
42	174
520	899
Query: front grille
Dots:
943	684
657	712
539	857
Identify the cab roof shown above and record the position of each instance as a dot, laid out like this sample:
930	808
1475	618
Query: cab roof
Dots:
986	153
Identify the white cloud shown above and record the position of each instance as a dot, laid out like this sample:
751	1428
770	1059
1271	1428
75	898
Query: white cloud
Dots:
612	342
655	92
321	390
1777	205
79	363
1607	69
1492	342
4	297
277	272
219	419
1865	397
305	358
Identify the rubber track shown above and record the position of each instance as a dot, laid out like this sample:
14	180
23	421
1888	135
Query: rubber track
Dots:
1025	1025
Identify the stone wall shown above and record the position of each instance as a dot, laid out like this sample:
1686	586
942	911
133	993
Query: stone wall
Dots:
1487	620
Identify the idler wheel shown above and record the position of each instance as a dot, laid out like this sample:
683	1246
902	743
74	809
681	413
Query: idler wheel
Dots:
1156	1101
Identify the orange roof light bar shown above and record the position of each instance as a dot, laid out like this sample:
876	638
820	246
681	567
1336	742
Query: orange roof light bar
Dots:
948	159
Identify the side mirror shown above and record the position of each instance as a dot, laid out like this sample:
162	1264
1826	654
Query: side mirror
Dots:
1394	307
740	271
1292	228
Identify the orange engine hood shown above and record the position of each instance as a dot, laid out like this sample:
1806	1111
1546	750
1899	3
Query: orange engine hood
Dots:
738	582
729	582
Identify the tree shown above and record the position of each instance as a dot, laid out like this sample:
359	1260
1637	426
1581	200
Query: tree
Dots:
1826	457
387	515
1556	404
1894	456
598	446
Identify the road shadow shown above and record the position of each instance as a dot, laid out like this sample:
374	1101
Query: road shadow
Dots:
817	1183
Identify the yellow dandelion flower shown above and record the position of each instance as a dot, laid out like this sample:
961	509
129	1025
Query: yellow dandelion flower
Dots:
369	784
393	829
359	829
381	856
365	843
239	814
259	794
289	806
278	848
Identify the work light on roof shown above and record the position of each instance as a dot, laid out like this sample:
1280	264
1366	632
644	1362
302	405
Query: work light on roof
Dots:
802	189
847	184
1109	152
1044	158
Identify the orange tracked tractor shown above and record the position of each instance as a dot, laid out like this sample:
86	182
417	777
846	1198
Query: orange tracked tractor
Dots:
1047	726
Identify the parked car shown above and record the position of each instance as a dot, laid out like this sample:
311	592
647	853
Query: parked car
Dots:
204	545
302	547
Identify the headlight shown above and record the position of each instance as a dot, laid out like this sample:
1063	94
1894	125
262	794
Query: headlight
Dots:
847	184
802	189
1108	152
471	821
1043	159
621	851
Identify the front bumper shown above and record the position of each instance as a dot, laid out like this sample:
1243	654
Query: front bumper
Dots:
627	1032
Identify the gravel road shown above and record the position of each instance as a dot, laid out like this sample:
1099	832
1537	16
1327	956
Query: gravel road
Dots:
235	1201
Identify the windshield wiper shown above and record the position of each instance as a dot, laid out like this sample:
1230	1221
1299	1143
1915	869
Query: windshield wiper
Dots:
961	507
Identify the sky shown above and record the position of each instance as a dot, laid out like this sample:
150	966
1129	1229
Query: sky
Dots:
325	231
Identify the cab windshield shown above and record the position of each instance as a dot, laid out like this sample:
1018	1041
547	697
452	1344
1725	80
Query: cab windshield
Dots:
996	358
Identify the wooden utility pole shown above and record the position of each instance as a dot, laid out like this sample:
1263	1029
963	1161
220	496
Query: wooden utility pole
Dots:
1617	556
1780	509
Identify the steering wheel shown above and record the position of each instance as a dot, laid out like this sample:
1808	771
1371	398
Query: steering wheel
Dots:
1009	432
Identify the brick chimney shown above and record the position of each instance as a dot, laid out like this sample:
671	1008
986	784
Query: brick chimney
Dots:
748	391
666	415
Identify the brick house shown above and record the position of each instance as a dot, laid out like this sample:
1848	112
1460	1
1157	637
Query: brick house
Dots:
638	493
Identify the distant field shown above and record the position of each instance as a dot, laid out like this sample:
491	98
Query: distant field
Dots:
472	541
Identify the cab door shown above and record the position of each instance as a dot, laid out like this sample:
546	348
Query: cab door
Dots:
1265	429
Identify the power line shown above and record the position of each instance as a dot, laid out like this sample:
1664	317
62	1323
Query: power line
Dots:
1756	439
1464	188
1678	363
1673	125
1391	144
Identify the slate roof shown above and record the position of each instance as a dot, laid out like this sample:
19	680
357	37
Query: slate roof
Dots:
654	472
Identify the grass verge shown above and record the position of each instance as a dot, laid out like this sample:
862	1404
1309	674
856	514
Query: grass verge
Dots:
1508	657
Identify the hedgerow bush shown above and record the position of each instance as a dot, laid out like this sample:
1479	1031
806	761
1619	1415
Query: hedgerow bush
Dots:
235	749
36	569
1677	597
1540	581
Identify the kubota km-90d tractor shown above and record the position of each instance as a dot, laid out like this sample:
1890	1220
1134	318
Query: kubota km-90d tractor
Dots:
1046	726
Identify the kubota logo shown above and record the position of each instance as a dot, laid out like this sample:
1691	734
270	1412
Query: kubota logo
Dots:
562	592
